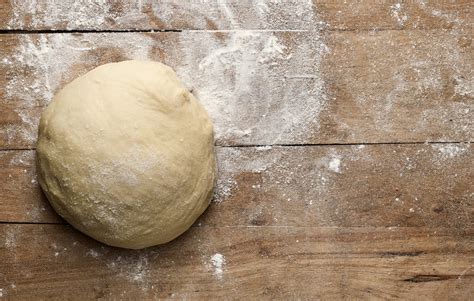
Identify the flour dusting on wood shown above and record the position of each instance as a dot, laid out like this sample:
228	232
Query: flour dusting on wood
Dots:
53	60
255	85
169	14
218	261
10	238
396	11
134	268
335	164
450	151
42	64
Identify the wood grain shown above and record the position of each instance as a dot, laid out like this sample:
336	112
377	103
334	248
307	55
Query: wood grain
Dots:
54	261
344	87
341	186
21	198
384	218
225	15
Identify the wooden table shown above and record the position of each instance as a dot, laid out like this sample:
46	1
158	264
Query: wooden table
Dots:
343	137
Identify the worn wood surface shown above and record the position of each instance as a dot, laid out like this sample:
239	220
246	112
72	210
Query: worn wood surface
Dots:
335	179
234	14
44	261
353	87
343	186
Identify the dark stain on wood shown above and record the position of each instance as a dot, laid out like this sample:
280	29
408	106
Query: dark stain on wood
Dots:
430	278
401	254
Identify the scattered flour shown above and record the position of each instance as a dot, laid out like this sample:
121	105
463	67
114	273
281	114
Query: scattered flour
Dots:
135	269
451	150
228	81
50	61
225	73
218	261
464	87
92	253
234	161
143	14
452	18
262	7
335	164
264	148
224	189
272	49
80	14
22	159
10	240
418	91
55	59
3	292
397	13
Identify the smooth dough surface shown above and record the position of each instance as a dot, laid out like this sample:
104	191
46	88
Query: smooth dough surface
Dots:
126	154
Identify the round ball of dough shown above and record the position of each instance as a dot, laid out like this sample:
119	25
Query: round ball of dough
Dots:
126	154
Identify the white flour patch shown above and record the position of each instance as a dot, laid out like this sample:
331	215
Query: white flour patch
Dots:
92	253
271	50
233	161
224	189
22	159
218	261
10	239
3	292
49	60
453	18
226	183
80	14
262	7
135	269
102	14
451	150
228	14
397	13
464	87
391	100
257	85
335	164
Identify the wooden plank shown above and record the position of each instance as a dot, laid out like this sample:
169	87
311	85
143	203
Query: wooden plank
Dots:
323	186
234	14
269	87
55	262
21	198
398	86
388	14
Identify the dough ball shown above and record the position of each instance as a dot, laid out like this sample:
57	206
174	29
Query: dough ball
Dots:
126	154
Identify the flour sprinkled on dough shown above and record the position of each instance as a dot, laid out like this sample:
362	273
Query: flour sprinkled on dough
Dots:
126	154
